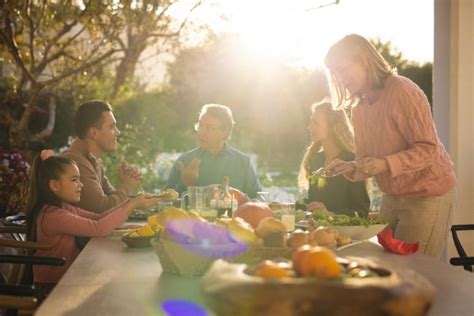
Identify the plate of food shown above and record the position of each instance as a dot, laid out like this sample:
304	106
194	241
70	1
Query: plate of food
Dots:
166	195
140	237
142	214
315	282
355	227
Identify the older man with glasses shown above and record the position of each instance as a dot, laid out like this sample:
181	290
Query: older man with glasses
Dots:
214	158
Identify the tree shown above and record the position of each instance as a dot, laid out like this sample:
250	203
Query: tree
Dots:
270	100
60	45
146	24
420	74
49	42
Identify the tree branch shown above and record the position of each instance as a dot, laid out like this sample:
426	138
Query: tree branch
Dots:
56	55
31	33
79	69
183	23
7	34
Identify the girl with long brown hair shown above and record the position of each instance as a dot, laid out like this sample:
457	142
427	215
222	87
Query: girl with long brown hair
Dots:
332	137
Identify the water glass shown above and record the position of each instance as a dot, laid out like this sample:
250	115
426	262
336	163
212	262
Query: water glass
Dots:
163	205
288	216
263	197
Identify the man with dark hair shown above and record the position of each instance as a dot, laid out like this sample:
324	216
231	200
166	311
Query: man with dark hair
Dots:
214	158
97	133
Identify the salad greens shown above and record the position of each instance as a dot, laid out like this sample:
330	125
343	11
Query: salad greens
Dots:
323	219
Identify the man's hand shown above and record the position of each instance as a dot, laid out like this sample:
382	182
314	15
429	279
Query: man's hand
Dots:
190	173
130	176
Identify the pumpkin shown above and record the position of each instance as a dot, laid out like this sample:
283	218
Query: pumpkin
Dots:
240	196
253	212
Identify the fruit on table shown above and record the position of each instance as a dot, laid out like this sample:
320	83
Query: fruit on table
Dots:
144	231
242	231
322	236
271	270
253	212
269	225
239	196
298	238
172	213
194	215
320	262
298	256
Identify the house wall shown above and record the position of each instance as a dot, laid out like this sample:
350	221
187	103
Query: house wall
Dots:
453	97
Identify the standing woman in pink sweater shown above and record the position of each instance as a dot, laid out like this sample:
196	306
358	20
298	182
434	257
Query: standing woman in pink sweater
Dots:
396	141
54	185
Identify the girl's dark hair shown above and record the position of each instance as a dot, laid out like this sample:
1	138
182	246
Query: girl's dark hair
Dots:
40	194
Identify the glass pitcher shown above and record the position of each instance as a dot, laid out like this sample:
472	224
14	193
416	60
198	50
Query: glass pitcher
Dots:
197	199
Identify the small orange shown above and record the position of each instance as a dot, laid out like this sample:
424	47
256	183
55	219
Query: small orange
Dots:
270	270
321	263
297	258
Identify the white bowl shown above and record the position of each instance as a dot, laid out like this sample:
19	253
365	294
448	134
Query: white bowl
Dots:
360	232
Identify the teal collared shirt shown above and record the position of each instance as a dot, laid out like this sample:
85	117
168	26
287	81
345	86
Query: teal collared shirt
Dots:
230	162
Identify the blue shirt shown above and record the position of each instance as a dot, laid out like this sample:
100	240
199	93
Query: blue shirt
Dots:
230	162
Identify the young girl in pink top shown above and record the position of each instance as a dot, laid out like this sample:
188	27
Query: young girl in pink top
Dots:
54	184
396	142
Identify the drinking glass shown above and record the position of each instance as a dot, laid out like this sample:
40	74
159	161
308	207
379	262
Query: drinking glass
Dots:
163	205
263	197
288	216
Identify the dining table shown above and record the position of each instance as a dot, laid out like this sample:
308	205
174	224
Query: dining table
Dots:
108	278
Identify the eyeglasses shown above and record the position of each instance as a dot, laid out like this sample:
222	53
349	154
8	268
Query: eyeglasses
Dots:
207	128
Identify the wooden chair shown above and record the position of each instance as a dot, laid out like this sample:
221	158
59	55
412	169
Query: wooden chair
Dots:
17	294
463	259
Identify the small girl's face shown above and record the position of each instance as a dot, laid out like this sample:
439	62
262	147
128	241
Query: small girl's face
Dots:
68	186
318	126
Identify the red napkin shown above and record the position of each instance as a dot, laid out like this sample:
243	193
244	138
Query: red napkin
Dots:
397	246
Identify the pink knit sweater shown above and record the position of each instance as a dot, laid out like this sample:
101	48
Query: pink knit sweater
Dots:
59	226
399	126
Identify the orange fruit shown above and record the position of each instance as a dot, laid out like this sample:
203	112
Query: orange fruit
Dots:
270	270
297	258
320	262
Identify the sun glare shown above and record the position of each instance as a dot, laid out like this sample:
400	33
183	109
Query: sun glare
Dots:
300	33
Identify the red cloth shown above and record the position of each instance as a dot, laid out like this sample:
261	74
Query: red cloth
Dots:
397	246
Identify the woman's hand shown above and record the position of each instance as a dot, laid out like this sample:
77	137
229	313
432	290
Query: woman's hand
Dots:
371	166
338	167
320	207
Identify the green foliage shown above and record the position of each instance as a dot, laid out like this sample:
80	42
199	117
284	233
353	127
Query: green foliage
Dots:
149	125
422	75
270	100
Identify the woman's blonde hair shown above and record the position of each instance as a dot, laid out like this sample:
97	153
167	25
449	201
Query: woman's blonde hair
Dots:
357	49
340	129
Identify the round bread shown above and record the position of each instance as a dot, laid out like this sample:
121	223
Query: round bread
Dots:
268	226
171	214
168	194
323	236
298	238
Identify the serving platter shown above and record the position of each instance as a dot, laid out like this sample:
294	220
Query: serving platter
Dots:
229	290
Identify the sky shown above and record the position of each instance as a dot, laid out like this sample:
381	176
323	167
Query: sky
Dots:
300	32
